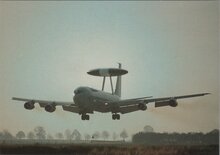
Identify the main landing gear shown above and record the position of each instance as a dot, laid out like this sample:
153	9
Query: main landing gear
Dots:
84	117
115	116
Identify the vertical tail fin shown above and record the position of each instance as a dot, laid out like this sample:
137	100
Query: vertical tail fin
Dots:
118	84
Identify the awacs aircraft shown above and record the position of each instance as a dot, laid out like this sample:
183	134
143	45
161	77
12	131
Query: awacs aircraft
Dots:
87	100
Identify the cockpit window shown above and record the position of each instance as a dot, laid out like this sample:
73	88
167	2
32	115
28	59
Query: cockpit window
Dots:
78	91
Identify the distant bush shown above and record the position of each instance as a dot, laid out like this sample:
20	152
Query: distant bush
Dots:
177	138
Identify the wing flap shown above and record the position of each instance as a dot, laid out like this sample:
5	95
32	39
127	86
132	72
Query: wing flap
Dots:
73	109
128	109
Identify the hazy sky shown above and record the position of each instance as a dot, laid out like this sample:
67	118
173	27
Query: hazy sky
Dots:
169	48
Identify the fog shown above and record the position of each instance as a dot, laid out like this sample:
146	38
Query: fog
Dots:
168	48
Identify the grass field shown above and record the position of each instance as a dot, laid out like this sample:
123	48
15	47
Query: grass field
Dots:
107	149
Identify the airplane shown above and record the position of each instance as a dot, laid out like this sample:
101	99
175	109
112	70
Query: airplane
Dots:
88	100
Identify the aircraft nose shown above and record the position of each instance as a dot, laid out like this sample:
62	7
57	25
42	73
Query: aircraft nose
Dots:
80	99
76	99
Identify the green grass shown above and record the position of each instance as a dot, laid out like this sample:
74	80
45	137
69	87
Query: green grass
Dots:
108	149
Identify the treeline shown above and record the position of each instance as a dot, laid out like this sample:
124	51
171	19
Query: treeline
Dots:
151	138
40	133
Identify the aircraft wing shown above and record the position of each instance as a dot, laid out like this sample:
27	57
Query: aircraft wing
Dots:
43	103
130	105
174	98
50	106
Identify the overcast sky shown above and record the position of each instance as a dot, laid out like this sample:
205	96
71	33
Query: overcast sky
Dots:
168	48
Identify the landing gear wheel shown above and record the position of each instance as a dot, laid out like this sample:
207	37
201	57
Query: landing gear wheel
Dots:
85	117
116	116
113	117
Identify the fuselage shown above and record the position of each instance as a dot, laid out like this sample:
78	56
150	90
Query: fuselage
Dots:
91	100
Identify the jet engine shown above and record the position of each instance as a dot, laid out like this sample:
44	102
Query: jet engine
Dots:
142	106
171	102
29	105
50	108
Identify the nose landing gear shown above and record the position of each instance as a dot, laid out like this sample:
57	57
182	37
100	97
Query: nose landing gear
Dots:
115	116
84	117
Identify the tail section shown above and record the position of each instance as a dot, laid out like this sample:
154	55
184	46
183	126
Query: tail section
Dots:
118	84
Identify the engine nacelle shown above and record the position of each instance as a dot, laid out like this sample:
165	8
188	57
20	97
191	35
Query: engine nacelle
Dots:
29	105
173	103
142	106
50	108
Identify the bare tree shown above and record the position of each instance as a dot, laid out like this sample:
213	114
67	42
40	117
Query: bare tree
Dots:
49	136
68	134
59	135
96	135
40	132
124	134
105	135
30	135
87	136
20	135
114	136
76	135
1	135
7	135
